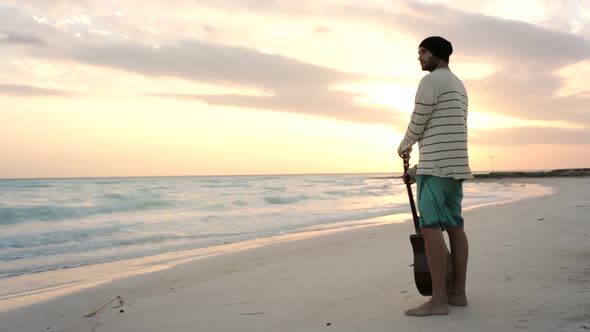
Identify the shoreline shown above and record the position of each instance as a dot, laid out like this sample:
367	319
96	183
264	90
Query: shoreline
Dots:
530	255
88	276
78	278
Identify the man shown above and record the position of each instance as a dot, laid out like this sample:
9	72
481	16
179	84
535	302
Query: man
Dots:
439	125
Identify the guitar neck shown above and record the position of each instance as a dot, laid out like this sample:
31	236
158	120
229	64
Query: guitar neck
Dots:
406	159
413	207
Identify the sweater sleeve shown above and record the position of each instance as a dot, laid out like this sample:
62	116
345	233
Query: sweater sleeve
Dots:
424	105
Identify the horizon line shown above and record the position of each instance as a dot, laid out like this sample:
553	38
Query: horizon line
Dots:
247	175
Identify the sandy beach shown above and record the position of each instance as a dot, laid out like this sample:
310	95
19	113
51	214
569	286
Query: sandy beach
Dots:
529	269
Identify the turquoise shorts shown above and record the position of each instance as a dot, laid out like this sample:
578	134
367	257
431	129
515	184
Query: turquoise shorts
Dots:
439	201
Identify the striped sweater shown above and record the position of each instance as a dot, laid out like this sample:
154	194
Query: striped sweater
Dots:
439	125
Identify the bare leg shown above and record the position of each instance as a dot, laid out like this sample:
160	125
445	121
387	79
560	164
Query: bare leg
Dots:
436	253
459	252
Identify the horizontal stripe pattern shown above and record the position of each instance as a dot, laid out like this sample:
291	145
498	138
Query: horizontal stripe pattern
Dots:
439	125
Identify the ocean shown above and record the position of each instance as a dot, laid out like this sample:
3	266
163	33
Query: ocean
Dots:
60	224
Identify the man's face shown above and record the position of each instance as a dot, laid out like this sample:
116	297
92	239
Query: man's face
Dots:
428	61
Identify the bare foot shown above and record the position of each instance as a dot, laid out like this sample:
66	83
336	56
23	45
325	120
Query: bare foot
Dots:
458	299
428	309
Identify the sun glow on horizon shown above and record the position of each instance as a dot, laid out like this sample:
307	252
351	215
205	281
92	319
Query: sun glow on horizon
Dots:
160	136
480	120
397	96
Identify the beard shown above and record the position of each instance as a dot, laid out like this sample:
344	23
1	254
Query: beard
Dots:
431	64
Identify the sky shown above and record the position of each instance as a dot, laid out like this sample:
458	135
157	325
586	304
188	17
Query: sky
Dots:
106	88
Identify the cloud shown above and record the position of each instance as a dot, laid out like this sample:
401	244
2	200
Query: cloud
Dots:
16	38
294	86
529	95
511	43
584	31
527	56
318	102
250	5
212	63
526	85
37	36
15	90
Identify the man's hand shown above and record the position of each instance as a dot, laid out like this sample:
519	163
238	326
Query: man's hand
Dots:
403	153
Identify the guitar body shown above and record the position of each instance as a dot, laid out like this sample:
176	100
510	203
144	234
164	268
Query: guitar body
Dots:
421	271
422	276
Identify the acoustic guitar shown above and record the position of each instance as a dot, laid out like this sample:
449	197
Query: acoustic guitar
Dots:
422	276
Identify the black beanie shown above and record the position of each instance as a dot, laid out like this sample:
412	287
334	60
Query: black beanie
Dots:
438	46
